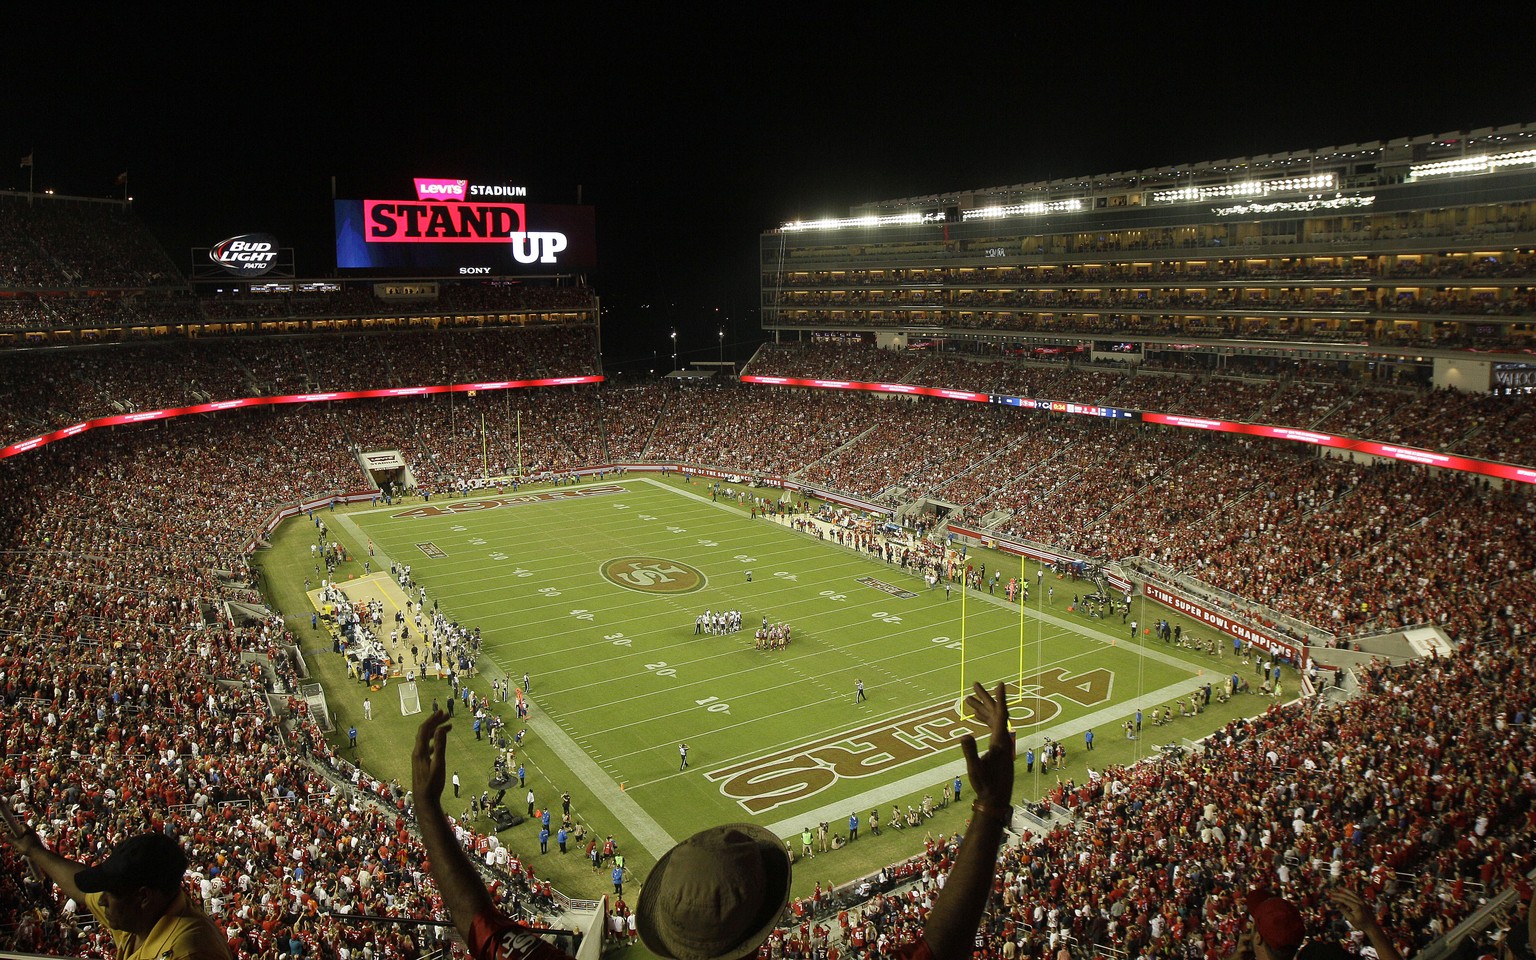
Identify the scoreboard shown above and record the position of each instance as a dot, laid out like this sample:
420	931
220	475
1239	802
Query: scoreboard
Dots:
455	228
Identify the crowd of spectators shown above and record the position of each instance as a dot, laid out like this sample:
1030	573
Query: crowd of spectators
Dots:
1098	489
1374	299
1220	300
1403	543
1418	795
162	312
1115	490
129	697
1351	270
449	440
122	545
78	244
41	391
772	433
85	269
1387	329
912	446
359	300
1483	425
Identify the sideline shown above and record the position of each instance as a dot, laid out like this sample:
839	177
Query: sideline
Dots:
640	824
621	805
382	561
1140	645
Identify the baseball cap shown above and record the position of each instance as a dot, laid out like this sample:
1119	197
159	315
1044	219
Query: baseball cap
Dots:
716	895
151	860
1276	919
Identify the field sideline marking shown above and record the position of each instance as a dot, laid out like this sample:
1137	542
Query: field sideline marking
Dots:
678	491
1093	633
361	540
640	824
584	768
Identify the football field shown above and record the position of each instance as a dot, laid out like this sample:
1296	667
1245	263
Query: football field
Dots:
593	592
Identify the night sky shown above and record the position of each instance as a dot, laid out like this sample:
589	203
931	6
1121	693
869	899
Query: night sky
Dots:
691	135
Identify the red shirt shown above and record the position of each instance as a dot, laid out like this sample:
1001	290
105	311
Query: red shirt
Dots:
495	937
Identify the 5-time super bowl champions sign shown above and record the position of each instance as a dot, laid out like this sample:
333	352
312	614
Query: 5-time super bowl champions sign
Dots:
457	228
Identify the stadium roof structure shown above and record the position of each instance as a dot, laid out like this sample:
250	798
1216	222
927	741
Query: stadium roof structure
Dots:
1483	150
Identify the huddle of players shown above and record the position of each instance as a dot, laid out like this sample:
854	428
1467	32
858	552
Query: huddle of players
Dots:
772	636
715	624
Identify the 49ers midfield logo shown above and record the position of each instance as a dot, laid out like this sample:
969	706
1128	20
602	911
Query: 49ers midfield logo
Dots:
800	772
652	575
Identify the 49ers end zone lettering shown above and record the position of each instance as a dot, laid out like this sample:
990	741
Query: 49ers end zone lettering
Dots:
492	503
800	772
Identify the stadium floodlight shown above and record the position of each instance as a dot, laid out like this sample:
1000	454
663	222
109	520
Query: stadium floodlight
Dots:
1247	188
1483	163
1033	208
834	223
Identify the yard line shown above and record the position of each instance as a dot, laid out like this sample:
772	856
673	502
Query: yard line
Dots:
836	696
651	834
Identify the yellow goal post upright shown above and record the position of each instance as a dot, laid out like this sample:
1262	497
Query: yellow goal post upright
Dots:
1019	599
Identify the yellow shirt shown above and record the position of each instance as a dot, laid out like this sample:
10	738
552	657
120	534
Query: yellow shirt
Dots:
183	932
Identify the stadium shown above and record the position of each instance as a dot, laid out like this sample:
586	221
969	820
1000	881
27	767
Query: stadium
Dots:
1248	439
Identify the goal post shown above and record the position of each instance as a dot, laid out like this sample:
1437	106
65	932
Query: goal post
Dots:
410	700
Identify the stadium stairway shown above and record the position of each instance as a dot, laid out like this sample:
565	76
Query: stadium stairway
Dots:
1502	910
801	473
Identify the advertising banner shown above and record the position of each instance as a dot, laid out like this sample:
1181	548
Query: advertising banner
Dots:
1226	623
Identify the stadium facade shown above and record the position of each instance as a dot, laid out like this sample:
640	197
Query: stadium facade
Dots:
1415	253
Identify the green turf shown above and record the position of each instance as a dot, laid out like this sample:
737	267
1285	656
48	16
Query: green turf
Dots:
619	678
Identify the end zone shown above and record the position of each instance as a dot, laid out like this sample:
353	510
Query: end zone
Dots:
383	588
